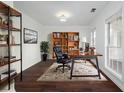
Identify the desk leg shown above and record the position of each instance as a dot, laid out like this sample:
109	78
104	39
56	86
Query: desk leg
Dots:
97	65
72	66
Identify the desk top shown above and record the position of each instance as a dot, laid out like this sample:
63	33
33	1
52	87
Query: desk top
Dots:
86	54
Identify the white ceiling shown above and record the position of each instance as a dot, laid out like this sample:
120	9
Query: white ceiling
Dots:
45	11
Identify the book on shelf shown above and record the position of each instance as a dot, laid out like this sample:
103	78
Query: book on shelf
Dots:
76	38
5	74
11	57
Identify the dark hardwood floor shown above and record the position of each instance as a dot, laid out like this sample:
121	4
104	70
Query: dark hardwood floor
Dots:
29	83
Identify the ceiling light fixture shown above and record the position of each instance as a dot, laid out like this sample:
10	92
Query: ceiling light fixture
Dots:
63	18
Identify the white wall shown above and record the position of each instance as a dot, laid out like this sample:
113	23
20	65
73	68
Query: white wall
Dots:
99	23
30	52
46	33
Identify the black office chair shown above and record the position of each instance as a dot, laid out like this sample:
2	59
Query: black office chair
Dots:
61	58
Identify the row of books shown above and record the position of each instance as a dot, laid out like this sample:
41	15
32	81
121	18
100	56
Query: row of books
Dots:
73	38
56	35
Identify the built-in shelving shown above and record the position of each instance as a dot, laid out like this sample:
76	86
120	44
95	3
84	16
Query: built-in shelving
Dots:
68	41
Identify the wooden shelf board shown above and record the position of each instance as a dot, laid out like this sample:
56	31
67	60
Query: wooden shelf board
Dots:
64	38
73	50
73	33
5	27
13	61
64	45
4	9
57	38
73	40
65	49
14	12
6	45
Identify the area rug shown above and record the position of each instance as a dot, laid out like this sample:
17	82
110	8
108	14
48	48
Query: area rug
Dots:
80	68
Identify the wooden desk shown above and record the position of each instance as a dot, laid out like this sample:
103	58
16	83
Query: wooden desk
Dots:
84	56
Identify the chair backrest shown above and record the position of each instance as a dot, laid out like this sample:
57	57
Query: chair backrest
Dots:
58	53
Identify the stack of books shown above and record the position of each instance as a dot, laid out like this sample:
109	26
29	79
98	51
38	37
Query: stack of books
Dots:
11	58
5	74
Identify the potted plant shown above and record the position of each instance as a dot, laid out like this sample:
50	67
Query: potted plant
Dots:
44	47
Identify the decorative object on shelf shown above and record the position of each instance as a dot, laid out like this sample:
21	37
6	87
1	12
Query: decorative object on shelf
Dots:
0	20
81	49
54	35
92	49
76	38
12	38
58	35
30	36
44	47
4	60
3	39
6	22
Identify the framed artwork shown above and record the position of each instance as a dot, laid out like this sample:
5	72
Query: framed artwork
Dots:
30	36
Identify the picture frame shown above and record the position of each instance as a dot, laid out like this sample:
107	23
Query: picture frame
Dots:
30	36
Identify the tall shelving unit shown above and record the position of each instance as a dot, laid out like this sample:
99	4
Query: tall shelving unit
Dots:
73	43
9	13
68	41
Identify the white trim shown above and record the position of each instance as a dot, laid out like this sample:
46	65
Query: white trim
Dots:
119	76
107	72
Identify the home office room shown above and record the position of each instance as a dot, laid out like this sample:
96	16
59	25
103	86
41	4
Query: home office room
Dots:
61	46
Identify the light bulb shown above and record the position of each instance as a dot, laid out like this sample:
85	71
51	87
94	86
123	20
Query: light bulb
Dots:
63	20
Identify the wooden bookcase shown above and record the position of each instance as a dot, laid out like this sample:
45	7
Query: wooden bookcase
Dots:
8	14
68	41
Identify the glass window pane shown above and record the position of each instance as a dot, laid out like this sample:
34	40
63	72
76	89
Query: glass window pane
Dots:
114	49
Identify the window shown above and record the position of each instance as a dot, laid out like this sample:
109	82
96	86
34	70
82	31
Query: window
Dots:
93	38
113	48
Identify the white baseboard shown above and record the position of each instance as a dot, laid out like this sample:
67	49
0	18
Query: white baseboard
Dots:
117	81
